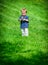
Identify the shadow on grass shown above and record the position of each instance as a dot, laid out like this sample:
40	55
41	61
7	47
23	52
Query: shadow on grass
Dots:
36	59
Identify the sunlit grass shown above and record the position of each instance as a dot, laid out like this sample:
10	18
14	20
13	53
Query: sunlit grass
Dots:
13	46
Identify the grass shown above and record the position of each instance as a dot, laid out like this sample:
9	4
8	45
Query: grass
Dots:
18	50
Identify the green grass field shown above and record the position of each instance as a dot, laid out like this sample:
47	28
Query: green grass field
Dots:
18	50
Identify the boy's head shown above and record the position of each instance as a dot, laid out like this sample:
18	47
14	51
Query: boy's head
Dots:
24	11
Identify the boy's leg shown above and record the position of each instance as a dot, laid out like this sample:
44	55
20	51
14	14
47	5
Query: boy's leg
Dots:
23	32
26	31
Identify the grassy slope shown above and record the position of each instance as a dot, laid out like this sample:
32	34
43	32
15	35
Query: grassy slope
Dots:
13	46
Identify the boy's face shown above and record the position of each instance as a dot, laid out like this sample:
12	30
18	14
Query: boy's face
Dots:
23	12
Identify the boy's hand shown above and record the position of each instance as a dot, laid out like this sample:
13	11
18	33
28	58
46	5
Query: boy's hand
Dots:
25	19
22	19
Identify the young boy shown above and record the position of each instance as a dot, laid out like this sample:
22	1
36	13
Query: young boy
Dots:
24	22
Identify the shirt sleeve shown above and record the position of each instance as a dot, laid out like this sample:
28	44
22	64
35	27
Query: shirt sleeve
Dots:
27	17
19	18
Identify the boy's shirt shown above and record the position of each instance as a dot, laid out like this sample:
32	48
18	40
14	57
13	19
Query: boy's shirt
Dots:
24	24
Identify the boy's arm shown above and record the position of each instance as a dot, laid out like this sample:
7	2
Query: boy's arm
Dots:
23	19
26	19
19	18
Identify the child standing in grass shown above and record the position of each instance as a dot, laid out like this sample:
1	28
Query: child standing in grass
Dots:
24	22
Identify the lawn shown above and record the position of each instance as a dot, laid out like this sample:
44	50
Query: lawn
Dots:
18	50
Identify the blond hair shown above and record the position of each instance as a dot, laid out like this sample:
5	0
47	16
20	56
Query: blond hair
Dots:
24	9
